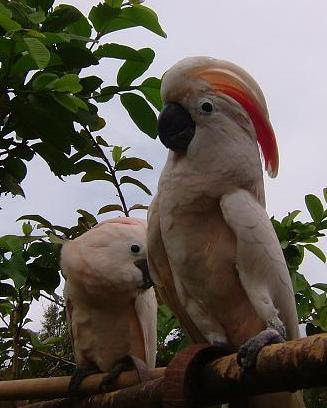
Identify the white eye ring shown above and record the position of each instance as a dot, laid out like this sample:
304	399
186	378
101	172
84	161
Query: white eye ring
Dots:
135	248
206	106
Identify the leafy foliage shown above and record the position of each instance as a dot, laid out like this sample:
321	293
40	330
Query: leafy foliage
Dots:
296	238
48	108
44	50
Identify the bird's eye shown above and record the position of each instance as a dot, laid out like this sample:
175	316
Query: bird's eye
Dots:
135	248
206	106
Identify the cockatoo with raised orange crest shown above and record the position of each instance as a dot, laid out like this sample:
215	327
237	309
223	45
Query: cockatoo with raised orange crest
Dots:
111	307
212	250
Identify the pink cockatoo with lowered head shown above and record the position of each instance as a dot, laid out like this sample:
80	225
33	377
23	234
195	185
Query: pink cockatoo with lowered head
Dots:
111	306
212	250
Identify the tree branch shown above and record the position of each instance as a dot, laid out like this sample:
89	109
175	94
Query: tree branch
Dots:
43	353
52	300
281	367
111	170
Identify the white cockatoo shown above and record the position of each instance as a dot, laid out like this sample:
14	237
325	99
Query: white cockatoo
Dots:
212	250
111	307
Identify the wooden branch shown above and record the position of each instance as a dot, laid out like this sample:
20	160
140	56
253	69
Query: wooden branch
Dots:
54	387
146	395
280	367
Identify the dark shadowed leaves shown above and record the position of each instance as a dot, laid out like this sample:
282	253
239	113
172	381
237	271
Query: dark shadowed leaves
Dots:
131	180
118	51
315	207
132	163
151	90
109	208
131	70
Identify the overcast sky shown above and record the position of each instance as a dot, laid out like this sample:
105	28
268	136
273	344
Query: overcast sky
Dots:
281	43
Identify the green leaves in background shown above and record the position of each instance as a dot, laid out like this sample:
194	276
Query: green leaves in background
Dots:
133	69
296	237
42	56
141	113
107	19
39	52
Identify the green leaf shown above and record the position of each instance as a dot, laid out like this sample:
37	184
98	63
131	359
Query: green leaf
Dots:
38	51
67	83
321	286
101	141
323	318
88	216
315	207
70	102
299	282
37	218
36	343
131	180
87	165
290	217
43	80
132	163
16	168
151	90
118	51
7	290
4	11
145	17
90	84
75	57
106	19
37	17
319	300
106	94
116	153
27	228
131	70
96	175
58	162
114	3
141	113
8	24
325	194
62	16
110	207
34	33
316	251
138	207
10	185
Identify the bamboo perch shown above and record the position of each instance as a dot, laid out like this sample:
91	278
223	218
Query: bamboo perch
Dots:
54	387
280	367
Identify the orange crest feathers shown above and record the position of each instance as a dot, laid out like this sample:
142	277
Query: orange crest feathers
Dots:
237	84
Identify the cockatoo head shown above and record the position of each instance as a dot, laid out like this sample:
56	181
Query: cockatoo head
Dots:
110	258
202	93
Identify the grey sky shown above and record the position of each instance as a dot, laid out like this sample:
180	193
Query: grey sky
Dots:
282	44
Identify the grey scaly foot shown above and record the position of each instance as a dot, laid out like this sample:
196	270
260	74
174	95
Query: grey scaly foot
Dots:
127	363
78	376
247	353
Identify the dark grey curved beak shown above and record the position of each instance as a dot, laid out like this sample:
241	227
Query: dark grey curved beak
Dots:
142	264
176	127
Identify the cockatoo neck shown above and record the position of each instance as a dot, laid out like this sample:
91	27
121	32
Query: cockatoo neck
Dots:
226	152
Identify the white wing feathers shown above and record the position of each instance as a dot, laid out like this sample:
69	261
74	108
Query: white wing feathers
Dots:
145	303
260	261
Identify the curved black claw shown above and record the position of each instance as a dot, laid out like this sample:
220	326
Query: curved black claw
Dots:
125	364
224	347
77	378
247	353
